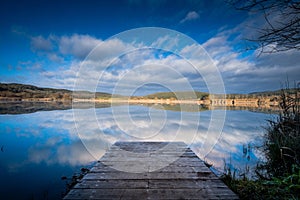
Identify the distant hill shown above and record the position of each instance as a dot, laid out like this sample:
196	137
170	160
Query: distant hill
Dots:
262	94
22	92
204	95
275	92
177	95
15	92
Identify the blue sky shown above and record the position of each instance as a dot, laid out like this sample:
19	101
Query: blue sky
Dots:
44	42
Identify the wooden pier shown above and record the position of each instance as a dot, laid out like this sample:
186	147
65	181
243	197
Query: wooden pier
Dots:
150	170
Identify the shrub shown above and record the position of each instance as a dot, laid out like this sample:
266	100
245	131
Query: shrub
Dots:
279	175
282	139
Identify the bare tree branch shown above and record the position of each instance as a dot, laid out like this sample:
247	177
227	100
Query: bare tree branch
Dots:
282	28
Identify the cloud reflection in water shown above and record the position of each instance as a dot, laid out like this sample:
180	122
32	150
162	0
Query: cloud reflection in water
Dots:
51	137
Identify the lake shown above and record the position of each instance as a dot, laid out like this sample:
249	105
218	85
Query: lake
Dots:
40	144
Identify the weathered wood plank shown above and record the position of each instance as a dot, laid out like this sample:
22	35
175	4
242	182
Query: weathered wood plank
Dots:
186	176
112	184
194	193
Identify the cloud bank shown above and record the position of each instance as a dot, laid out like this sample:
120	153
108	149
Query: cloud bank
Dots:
59	59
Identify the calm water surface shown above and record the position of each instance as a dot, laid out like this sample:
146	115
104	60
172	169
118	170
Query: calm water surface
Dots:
39	148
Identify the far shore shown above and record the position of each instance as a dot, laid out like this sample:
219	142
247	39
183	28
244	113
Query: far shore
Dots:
250	102
145	101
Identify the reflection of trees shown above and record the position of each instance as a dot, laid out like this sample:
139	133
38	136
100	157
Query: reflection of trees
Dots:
247	150
31	107
180	107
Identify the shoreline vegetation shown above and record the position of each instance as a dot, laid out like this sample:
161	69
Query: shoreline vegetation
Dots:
13	92
278	175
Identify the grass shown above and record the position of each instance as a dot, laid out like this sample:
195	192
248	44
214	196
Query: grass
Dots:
278	177
284	187
282	139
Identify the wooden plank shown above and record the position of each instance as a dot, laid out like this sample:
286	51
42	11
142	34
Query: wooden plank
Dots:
186	176
112	184
194	193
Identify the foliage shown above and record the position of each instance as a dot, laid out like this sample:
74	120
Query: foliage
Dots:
279	176
17	92
282	140
286	187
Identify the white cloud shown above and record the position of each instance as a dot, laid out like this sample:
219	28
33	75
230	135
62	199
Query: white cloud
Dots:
39	43
155	67
63	77
109	49
48	74
46	47
192	15
241	72
166	42
142	67
248	72
55	57
77	45
225	57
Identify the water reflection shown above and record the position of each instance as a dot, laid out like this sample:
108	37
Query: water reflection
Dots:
243	131
31	107
22	107
38	149
41	147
